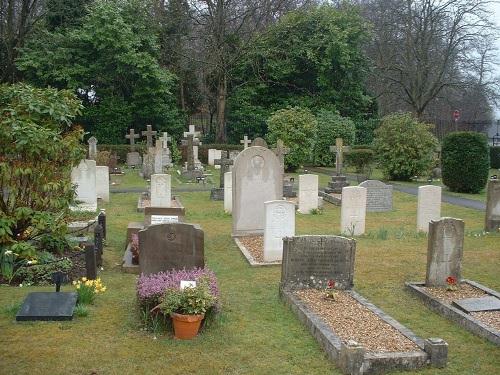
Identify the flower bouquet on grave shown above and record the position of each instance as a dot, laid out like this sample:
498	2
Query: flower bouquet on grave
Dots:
330	293
88	289
451	283
134	248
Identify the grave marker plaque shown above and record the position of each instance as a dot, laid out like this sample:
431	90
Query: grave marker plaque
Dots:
378	196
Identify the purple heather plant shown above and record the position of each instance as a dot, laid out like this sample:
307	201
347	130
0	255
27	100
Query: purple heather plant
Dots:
152	287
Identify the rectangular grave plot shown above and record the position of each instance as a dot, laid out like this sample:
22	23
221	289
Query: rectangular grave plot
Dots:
488	303
47	306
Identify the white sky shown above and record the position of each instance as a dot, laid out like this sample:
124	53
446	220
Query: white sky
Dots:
496	18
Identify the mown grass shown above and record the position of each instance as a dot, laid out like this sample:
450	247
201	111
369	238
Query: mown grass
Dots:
256	333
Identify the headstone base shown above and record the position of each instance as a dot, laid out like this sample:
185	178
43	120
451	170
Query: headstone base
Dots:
336	184
288	190
192	174
134	159
47	306
217	194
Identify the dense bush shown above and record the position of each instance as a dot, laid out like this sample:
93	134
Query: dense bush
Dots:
495	157
41	273
365	130
361	159
296	127
331	126
465	162
404	146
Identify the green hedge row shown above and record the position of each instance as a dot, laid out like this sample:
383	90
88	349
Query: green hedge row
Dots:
495	157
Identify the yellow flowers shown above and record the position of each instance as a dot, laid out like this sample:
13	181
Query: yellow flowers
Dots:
88	289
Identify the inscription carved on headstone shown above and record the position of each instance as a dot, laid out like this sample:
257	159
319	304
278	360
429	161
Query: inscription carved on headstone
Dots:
161	194
378	196
308	193
84	177
279	223
428	206
353	211
228	192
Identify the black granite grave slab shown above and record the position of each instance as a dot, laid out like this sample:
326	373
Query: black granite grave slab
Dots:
469	305
47	306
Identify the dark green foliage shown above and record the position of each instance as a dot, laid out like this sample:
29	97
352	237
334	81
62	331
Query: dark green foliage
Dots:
361	159
495	157
365	130
331	126
203	149
465	162
41	274
404	146
65	13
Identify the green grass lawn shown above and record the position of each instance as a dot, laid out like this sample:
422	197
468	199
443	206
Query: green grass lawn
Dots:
256	333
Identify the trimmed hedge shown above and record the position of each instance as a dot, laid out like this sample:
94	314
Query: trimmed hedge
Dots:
465	162
121	150
203	150
495	157
361	159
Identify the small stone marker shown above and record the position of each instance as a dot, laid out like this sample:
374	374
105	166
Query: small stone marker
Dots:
259	142
279	223
47	306
132	137
84	176
149	133
378	196
353	211
161	193
428	206
492	219
489	303
308	193
90	262
92	141
444	251
224	163
212	155
102	182
228	192
245	142
311	261
170	246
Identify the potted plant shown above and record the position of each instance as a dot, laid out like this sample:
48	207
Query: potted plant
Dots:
187	308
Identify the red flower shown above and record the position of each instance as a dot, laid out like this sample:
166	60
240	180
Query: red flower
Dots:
450	280
331	284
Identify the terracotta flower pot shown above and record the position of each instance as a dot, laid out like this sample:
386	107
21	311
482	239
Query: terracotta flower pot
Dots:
186	326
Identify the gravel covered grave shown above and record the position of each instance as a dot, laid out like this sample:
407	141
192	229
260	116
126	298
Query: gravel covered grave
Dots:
255	246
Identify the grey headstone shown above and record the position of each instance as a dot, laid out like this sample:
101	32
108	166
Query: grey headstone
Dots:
47	306
492	220
489	303
134	159
378	196
259	142
444	251
165	247
311	261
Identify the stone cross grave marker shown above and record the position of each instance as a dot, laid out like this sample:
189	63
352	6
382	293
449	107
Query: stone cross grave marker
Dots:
224	163
444	251
92	147
149	133
245	142
190	152
311	261
280	152
165	139
158	163
192	132
339	150
132	137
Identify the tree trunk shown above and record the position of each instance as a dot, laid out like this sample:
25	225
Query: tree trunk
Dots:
221	108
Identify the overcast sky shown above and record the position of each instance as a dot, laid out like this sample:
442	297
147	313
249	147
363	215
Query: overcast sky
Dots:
496	18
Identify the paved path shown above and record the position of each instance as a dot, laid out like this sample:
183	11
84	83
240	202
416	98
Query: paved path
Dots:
457	201
174	190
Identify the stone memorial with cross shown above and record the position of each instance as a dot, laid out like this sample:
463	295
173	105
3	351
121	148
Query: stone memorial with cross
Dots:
192	132
132	137
280	151
166	151
92	147
338	180
149	133
245	142
217	194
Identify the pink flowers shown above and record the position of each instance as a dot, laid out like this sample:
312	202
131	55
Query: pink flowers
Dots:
331	284
452	283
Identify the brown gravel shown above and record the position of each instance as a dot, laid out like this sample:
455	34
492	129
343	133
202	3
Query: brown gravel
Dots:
464	291
491	318
350	320
255	246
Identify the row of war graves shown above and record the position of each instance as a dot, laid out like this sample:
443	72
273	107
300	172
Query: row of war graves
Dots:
263	228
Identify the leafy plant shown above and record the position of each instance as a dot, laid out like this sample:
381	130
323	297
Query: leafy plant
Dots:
404	146
361	159
81	310
36	272
88	289
188	301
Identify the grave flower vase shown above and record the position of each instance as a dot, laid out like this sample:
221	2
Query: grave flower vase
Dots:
186	327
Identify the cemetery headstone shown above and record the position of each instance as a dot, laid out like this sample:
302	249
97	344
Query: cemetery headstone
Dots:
101	220
133	157
90	262
353	211
132	137
492	220
212	155
288	188
245	142
338	180
228	192
92	141
165	247
217	194
281	151
158	162
149	133
98	244
259	142
308	193
444	251
102	182
166	156
161	195
428	206
311	261
256	179
148	163
378	196
279	223
84	177
113	164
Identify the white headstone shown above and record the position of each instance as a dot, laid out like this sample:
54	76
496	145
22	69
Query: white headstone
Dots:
228	192
211	156
353	210
83	177
102	182
428	206
161	195
308	193
279	222
256	179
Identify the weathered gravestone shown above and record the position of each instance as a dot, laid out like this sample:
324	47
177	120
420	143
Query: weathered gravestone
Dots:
158	157
311	261
175	246
161	194
212	155
149	133
259	142
256	179
148	163
279	223
338	180
308	193
492	220
84	177
444	251
102	182
353	211
281	151
166	157
228	192
428	206
133	157
217	194
378	196
92	141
